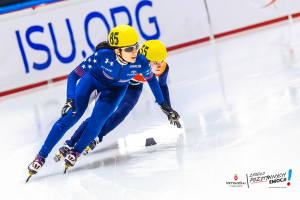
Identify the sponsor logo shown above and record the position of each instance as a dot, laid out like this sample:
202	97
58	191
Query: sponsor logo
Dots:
109	70
271	180
135	66
235	183
235	177
133	73
36	166
71	158
107	61
261	177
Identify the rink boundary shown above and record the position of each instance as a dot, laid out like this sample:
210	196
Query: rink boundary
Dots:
22	6
27	87
179	46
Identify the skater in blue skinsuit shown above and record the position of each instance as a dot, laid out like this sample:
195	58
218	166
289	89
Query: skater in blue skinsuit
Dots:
156	53
106	71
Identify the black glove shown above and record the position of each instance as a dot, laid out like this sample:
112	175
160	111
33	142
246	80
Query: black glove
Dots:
175	123
169	111
69	105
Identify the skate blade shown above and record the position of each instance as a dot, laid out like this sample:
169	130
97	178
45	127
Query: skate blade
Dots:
86	151
30	175
66	167
57	157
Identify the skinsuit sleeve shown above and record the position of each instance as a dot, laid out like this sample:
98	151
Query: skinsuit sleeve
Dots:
163	85
79	72
154	85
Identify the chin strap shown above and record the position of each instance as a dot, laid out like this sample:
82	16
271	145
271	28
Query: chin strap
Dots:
121	60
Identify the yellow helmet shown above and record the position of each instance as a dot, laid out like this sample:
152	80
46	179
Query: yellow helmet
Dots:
122	35
154	50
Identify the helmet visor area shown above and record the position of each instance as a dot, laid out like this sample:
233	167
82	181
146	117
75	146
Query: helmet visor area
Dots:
131	48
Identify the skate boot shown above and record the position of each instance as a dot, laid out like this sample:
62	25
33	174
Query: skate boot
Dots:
91	146
71	159
62	152
35	166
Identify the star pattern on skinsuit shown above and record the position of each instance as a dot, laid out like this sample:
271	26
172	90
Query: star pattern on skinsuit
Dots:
95	60
96	53
90	66
89	59
83	66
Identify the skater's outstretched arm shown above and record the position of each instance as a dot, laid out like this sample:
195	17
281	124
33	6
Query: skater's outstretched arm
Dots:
154	86
163	84
165	90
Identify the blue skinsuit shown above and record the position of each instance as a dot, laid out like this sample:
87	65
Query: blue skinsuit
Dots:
128	102
102	72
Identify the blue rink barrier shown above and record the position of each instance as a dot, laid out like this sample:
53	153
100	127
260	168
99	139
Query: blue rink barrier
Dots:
28	4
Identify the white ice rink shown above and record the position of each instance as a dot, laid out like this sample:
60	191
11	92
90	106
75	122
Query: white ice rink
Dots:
239	102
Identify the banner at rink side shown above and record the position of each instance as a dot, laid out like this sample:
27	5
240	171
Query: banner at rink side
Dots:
228	15
48	43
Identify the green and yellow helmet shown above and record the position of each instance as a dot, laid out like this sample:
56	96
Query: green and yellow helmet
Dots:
154	50
122	35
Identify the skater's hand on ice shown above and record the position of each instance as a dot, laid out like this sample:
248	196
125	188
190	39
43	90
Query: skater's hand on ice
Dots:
169	111
70	105
173	116
175	123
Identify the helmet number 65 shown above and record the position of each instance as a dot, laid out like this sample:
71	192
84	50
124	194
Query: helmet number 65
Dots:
144	50
114	40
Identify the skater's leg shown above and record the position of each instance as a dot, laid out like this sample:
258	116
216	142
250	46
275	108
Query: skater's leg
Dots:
61	127
128	102
82	94
103	109
76	136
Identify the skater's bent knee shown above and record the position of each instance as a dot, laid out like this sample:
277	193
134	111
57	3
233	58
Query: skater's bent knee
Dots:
66	122
126	107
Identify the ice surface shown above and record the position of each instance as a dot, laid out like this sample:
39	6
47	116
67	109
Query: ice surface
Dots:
240	107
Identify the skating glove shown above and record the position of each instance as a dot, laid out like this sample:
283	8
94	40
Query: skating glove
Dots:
175	123
172	114
69	105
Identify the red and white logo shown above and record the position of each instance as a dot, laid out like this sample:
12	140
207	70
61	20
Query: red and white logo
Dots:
71	158
236	177
36	165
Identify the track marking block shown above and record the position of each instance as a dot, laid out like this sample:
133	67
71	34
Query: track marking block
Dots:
150	142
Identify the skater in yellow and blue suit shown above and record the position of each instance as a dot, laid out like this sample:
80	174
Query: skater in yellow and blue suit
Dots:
107	71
